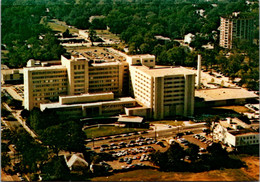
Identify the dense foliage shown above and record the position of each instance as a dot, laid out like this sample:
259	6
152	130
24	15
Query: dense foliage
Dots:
56	131
174	158
136	23
25	34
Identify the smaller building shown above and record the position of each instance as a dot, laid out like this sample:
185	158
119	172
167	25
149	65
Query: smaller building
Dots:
188	38
233	133
76	162
222	97
133	121
90	105
12	76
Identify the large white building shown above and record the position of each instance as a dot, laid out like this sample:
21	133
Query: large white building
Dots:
76	75
167	91
160	91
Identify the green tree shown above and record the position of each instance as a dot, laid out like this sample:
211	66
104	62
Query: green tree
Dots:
192	151
56	170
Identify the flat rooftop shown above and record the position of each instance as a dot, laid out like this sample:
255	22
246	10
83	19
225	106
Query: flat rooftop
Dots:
58	105
98	53
161	71
130	119
244	132
142	56
234	121
224	94
44	68
11	71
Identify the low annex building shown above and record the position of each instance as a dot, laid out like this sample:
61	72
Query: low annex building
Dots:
90	105
222	97
234	132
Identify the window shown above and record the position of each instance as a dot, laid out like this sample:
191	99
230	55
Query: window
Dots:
78	66
151	60
83	66
75	67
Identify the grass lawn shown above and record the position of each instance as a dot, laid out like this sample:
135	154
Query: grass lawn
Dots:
170	122
107	34
61	28
109	130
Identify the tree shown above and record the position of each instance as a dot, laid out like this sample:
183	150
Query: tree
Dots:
5	161
25	113
210	123
66	34
56	170
92	35
65	136
192	151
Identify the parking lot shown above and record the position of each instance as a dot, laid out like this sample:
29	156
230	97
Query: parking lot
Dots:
131	153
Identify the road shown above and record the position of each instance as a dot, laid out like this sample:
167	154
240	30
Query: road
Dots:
16	114
7	177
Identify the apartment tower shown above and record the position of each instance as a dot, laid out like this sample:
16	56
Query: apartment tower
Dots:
235	27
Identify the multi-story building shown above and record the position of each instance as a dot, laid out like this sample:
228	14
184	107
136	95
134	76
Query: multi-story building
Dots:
235	27
11	76
43	85
234	132
160	91
85	76
76	75
167	91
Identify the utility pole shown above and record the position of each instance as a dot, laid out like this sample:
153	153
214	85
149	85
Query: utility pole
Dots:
155	133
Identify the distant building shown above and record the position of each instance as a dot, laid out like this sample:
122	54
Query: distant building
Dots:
95	17
11	76
235	27
188	38
231	132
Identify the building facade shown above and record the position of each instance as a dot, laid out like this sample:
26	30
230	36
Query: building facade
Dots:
90	105
234	134
235	27
43	85
160	91
76	75
166	91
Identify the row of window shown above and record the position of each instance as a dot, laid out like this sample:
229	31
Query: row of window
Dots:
102	68
104	73
175	86
50	85
175	99
173	91
48	72
46	77
79	67
77	77
174	95
173	78
78	73
47	81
